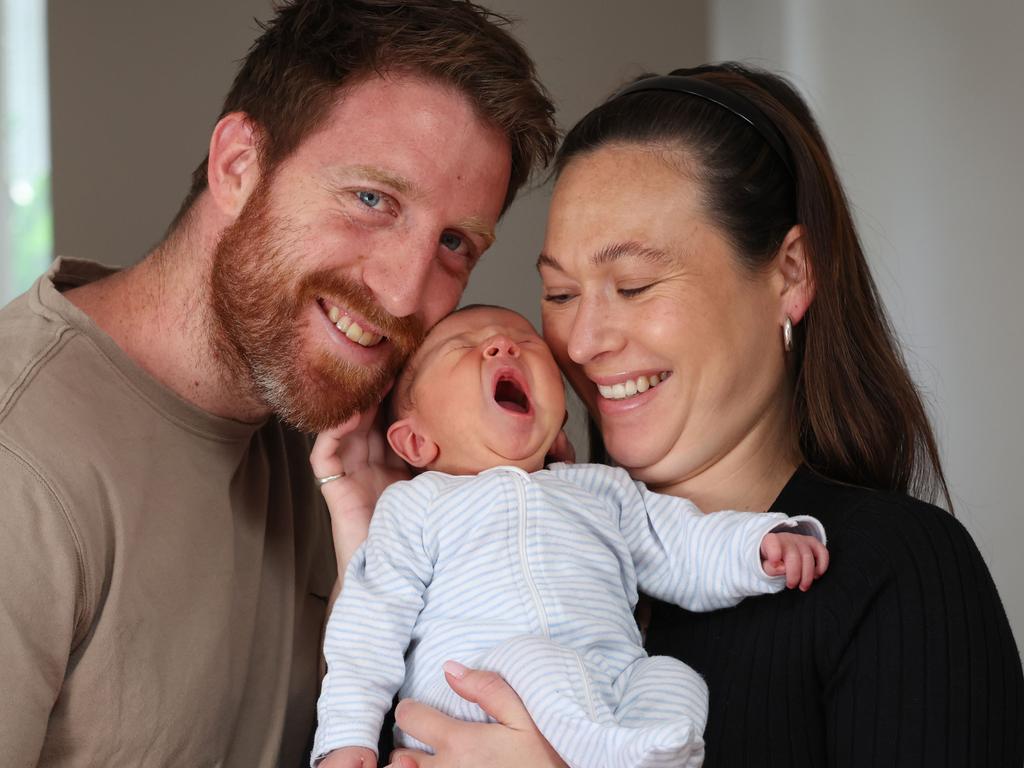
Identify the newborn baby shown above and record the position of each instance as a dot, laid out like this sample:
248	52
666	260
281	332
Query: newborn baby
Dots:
490	559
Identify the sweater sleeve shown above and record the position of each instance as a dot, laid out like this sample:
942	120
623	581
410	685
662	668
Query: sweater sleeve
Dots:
699	561
372	621
41	606
925	671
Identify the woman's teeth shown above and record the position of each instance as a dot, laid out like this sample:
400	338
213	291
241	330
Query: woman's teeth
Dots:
351	329
630	388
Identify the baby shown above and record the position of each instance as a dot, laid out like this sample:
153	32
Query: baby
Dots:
489	559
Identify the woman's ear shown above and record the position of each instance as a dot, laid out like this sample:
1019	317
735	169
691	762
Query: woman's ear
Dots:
414	447
797	278
233	168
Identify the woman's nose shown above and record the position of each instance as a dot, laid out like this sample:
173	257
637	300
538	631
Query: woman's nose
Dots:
593	333
499	345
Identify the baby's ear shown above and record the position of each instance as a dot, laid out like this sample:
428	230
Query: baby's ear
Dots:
414	447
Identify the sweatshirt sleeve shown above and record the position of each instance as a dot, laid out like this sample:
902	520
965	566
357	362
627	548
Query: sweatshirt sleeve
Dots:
372	621
700	561
41	606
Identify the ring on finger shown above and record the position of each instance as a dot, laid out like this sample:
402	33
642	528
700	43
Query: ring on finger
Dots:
321	481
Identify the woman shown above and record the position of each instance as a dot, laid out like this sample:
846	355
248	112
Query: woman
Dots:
698	234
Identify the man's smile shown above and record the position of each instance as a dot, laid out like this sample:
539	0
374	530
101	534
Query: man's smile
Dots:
354	330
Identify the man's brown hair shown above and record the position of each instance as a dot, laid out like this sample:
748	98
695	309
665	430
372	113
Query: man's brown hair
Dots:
312	50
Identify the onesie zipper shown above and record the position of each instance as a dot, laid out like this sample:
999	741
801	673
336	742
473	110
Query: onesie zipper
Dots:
523	563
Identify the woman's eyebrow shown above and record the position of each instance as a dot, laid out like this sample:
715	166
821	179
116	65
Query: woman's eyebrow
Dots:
548	261
613	252
630	249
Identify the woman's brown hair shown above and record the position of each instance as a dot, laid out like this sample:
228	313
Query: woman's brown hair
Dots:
859	417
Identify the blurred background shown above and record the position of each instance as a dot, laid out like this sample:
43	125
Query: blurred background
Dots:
108	106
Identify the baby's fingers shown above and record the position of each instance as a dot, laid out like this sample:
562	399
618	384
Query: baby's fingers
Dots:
806	560
771	554
807	567
820	557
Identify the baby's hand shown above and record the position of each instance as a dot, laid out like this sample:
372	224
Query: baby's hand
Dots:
350	757
801	558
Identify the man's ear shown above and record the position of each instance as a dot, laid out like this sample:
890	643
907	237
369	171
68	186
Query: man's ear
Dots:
797	278
233	168
415	448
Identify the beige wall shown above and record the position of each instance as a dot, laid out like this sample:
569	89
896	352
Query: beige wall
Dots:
135	87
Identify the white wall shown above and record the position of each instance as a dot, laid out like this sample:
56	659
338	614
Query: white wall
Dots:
922	102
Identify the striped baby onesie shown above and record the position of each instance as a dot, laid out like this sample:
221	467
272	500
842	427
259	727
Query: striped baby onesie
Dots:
535	576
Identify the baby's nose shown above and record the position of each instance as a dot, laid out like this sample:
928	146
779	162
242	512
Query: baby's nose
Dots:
500	345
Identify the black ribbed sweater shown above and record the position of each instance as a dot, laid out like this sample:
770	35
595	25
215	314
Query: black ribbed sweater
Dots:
901	655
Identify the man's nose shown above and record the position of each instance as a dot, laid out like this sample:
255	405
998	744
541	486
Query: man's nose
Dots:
399	280
500	345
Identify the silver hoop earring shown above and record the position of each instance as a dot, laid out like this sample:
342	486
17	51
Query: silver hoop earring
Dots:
787	334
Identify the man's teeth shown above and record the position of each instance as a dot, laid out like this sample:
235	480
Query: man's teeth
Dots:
351	329
632	387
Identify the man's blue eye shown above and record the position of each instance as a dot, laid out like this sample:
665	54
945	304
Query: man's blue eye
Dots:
371	199
451	241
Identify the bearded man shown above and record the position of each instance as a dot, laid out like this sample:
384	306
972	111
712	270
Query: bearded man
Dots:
165	557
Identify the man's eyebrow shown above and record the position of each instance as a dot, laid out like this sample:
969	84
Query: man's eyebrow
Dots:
477	226
613	252
382	176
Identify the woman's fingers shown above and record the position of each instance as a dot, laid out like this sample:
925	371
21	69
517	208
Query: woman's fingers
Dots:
425	723
562	449
490	691
324	457
345	446
512	742
409	758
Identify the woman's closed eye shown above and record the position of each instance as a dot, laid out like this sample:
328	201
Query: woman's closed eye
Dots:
558	297
636	291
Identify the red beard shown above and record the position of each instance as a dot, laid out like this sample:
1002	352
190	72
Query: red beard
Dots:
258	297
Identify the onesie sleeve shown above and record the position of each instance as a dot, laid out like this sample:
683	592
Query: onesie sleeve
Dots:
700	561
372	621
42	606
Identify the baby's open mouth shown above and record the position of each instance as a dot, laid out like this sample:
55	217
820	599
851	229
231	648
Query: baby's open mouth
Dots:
509	394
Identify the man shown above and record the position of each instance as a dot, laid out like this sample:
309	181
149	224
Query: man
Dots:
165	558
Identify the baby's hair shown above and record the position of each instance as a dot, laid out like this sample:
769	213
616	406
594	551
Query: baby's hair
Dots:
399	401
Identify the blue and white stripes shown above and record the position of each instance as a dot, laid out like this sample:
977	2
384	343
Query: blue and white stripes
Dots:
536	576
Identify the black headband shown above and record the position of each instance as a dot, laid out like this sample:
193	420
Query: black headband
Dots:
739	105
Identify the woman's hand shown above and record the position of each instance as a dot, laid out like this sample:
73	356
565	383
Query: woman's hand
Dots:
513	741
358	451
561	450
